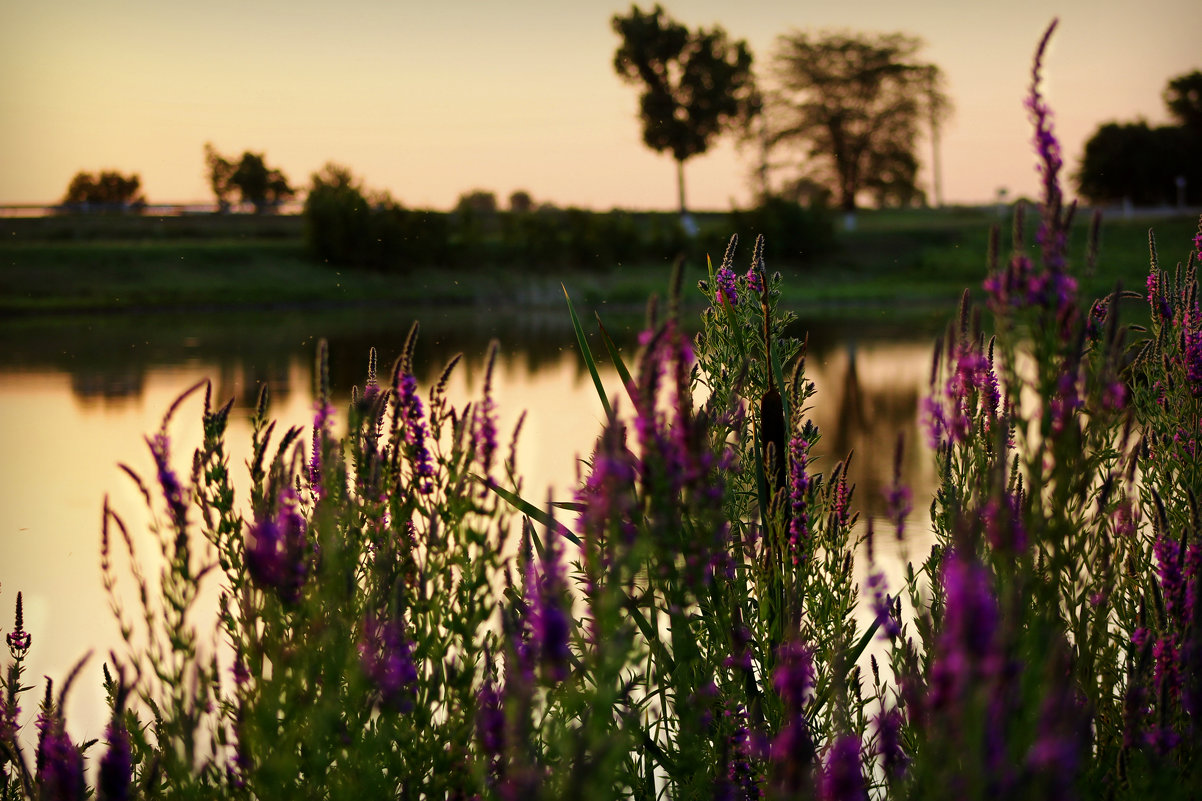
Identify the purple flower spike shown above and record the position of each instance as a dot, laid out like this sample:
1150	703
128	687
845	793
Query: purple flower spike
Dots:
60	764
552	629
386	656
754	282
277	549
490	719
19	639
413	422
727	291
323	413
173	491
882	605
967	647
793	679
888	743
484	433
606	496
799	486
116	768
843	779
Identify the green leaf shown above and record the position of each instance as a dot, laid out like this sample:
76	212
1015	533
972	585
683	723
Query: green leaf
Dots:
616	358
588	355
525	507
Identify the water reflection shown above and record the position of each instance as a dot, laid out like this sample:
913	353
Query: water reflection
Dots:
78	395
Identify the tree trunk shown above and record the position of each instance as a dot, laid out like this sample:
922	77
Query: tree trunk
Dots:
680	184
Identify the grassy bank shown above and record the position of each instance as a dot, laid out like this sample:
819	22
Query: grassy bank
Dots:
907	259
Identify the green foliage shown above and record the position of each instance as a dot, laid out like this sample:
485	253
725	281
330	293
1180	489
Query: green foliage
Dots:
344	227
854	105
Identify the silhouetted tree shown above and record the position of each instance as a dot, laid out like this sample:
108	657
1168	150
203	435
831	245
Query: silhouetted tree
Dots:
263	187
520	202
1140	165
107	191
695	83
477	201
855	104
1183	96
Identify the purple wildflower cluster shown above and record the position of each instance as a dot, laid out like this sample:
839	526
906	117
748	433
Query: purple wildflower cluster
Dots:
968	654
792	750
727	291
413	422
676	467
550	626
799	490
277	550
59	761
607	497
322	417
484	431
19	639
173	491
491	726
842	775
894	759
970	393
386	657
883	606
116	766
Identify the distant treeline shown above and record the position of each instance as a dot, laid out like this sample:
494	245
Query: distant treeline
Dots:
343	227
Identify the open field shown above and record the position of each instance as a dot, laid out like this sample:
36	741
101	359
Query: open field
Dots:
896	259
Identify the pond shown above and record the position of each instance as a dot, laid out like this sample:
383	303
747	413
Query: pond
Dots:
79	395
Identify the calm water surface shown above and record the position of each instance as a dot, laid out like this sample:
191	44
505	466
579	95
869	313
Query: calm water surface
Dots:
78	396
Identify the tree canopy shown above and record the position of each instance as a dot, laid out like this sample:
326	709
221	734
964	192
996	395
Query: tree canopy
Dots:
1136	163
106	191
1183	96
855	104
695	83
263	187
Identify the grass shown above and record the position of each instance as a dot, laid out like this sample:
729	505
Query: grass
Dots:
907	261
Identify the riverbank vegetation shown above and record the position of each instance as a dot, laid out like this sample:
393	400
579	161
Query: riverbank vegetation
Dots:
922	257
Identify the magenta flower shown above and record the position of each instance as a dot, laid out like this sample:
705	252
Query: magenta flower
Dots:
277	548
843	776
888	743
799	487
792	750
116	767
413	423
727	291
550	626
484	431
59	762
173	491
386	657
19	639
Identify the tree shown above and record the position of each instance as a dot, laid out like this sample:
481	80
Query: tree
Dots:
695	83
263	187
856	103
107	191
520	202
1145	166
1183	96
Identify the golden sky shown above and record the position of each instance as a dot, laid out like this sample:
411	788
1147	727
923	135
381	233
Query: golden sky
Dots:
431	99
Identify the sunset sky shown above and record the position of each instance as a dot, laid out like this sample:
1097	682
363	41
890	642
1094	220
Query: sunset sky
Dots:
431	99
